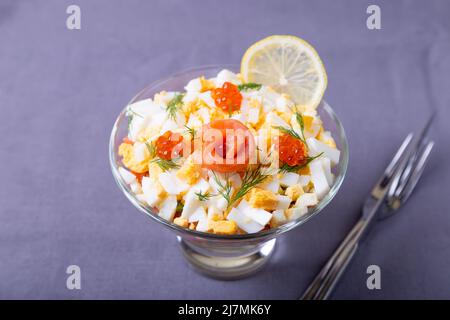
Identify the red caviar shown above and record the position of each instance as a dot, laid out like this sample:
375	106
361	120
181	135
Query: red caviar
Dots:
292	151
169	145
228	98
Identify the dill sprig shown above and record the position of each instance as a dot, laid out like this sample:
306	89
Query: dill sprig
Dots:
249	86
166	165
174	104
224	189
151	147
252	177
289	131
191	131
130	115
287	168
204	196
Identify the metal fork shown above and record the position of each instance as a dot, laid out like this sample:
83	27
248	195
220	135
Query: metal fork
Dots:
392	190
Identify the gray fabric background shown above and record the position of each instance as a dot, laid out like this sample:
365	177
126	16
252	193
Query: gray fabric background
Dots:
61	90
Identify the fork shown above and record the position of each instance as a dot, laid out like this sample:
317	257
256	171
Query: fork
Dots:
391	191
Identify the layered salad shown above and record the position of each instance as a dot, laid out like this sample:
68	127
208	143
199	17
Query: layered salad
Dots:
239	152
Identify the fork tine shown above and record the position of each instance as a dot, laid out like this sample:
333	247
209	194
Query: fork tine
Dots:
417	172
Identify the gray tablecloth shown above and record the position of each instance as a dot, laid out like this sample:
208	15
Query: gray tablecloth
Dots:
60	91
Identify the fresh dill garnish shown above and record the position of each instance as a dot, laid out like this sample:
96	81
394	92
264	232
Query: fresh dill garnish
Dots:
151	148
224	189
166	164
289	131
252	177
249	86
301	123
174	104
204	196
191	131
130	115
287	168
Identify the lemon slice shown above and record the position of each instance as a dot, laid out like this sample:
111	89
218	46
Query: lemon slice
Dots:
289	65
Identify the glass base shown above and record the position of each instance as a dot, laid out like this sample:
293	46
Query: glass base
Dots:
227	268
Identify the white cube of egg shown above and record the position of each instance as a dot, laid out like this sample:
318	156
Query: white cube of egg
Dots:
326	165
304	180
319	178
296	212
239	117
171	183
253	115
168	125
203	224
283	202
204	115
191	204
284	104
269	98
190	96
260	216
218	202
226	76
195	85
289	179
142	108
127	176
201	186
244	222
141	197
197	215
206	97
157	119
273	186
140	151
275	120
150	191
135	187
316	147
214	213
307	200
168	207
278	218
194	121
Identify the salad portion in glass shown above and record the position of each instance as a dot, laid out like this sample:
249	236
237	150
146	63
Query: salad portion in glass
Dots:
229	160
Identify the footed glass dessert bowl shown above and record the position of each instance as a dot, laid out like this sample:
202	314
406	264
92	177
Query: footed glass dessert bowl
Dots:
223	256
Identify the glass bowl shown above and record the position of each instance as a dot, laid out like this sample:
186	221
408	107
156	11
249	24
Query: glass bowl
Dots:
223	256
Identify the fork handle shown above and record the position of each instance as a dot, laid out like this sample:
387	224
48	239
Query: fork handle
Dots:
324	283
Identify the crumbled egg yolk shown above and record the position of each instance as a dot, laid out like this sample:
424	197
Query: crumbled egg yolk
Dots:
126	152
206	84
182	222
224	227
263	199
294	191
189	171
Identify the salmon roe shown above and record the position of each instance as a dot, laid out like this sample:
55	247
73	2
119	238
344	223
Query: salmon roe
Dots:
292	151
228	98
169	145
